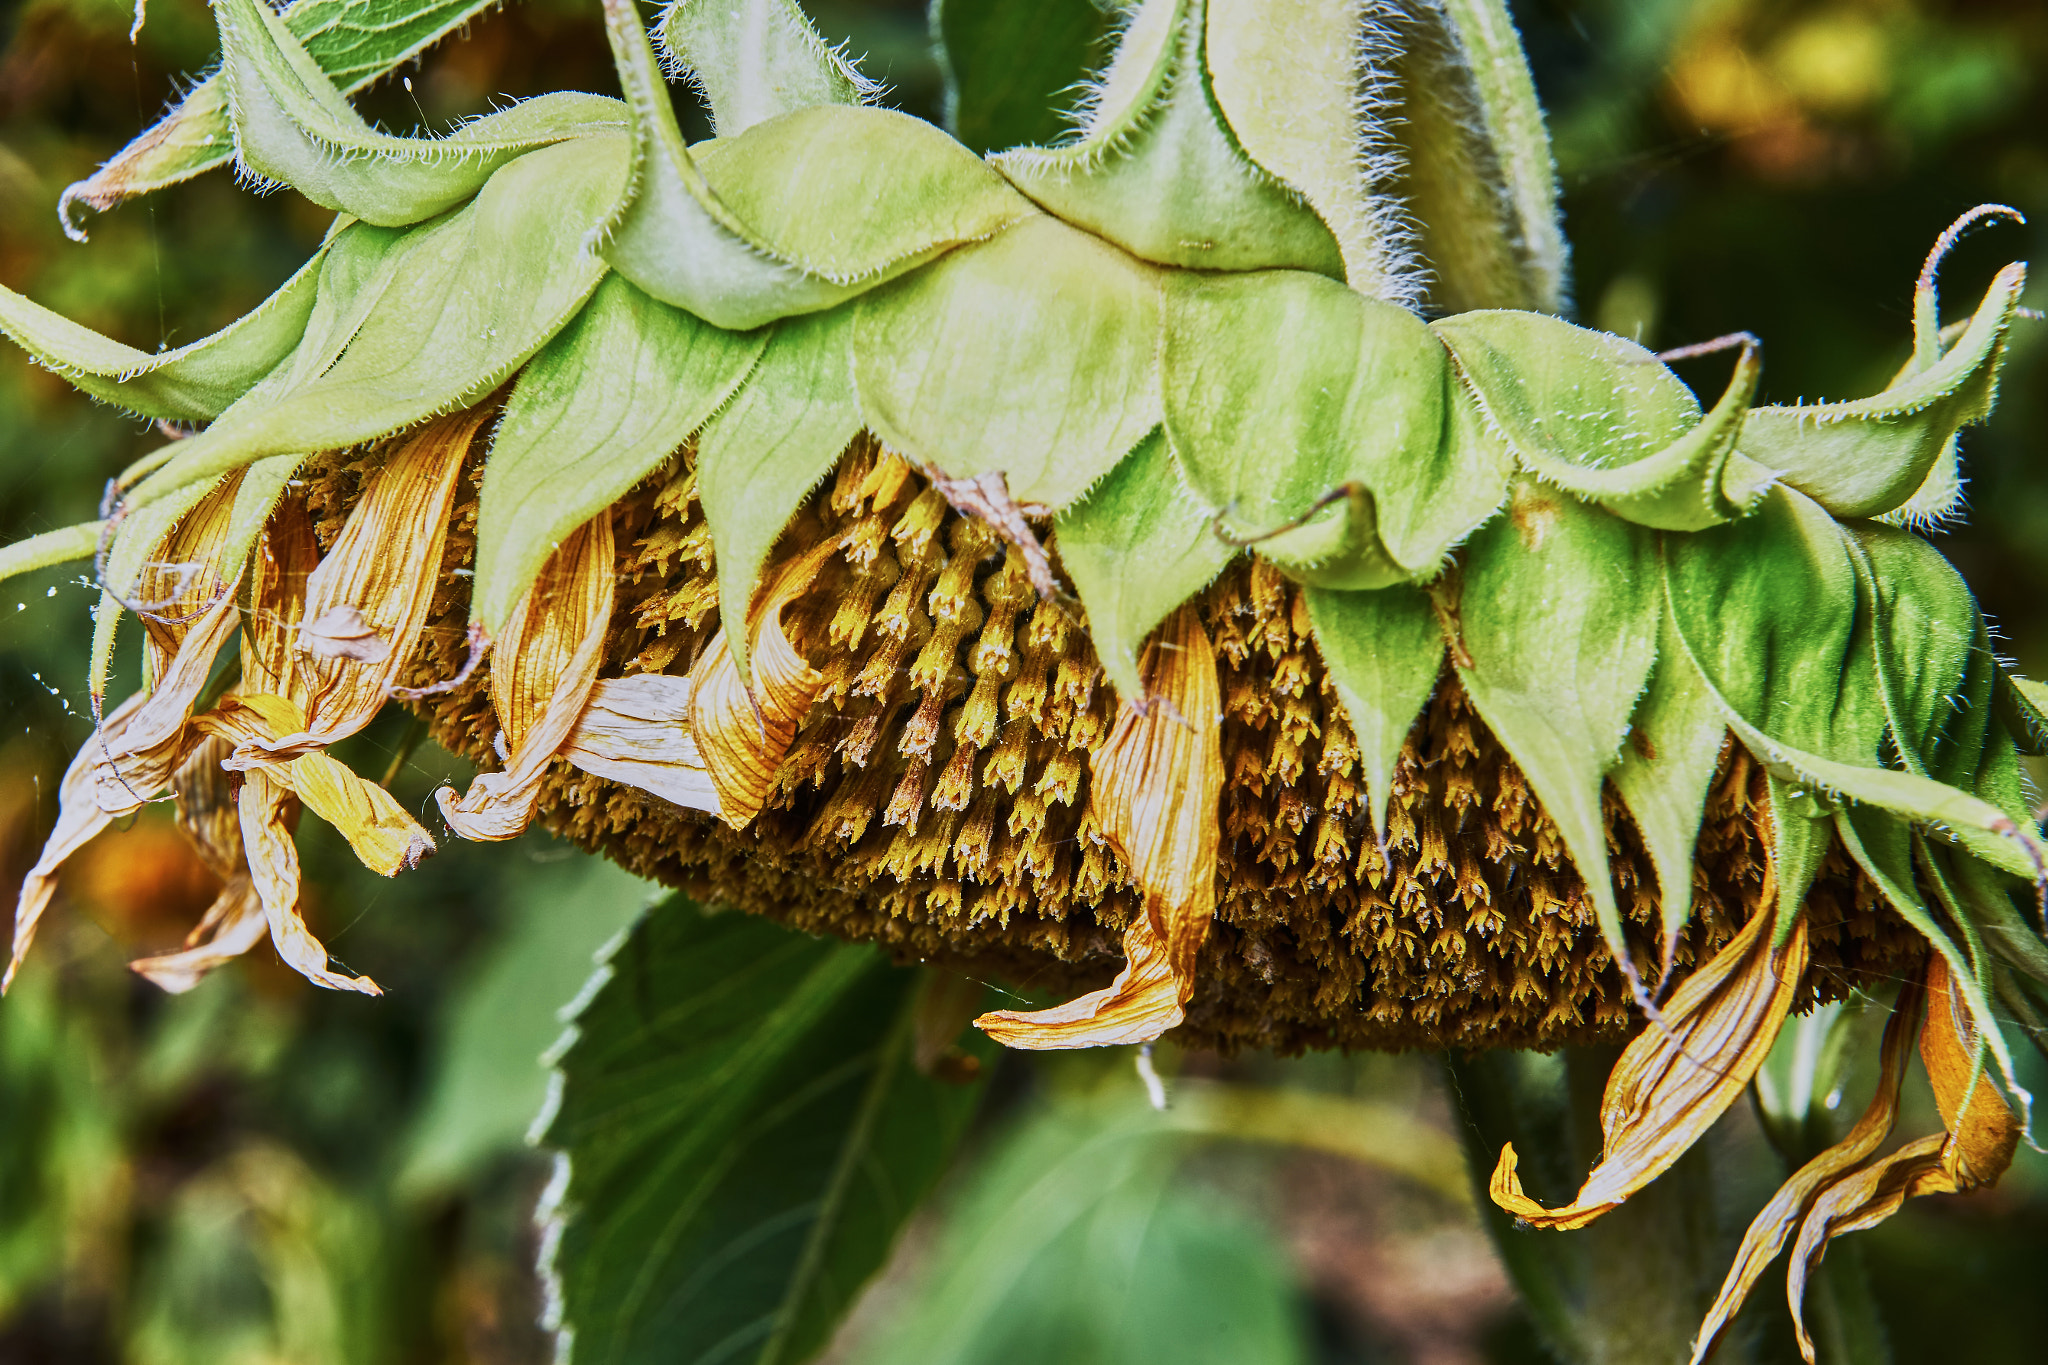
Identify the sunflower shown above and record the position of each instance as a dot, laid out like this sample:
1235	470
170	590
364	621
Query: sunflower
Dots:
1087	555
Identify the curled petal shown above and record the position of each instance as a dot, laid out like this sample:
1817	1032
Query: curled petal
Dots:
1155	787
343	633
637	731
1983	1131
546	666
136	748
267	816
1677	1077
233	925
1978	1146
1142	1003
1864	1198
79	818
1844	1189
365	604
744	734
1774	1226
383	834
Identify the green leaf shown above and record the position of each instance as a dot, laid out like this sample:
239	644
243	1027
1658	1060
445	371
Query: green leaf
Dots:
51	547
293	126
354	42
430	340
191	384
1136	547
1286	76
857	196
1476	170
743	1135
1927	634
761	456
1983	895
754	59
1084	1239
1868	457
612	396
1010	65
2024	705
1557	612
1883	847
1283	388
1802	829
1157	171
1601	418
1666	769
1769	610
794	215
1034	354
1384	651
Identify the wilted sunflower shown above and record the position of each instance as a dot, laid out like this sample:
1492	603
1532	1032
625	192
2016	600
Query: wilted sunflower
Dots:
1083	553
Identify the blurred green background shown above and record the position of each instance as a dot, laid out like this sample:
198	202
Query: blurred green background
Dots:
263	1172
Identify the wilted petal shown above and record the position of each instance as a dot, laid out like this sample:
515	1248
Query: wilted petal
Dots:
1155	787
365	604
544	669
383	834
1774	1226
637	731
1844	1190
1862	1199
206	808
1983	1131
285	558
79	818
266	810
344	633
138	745
234	924
1142	1003
743	745
1676	1078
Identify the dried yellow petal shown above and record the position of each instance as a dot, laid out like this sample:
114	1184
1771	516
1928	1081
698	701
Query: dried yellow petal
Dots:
541	679
1773	1227
1142	1003
383	833
1862	1199
1674	1079
1155	789
743	743
137	747
1983	1131
234	923
637	731
267	817
360	612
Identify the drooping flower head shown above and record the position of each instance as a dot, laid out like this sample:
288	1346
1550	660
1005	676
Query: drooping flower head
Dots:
1198	545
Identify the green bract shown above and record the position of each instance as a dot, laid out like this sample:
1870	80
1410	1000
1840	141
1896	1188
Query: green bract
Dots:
1184	335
